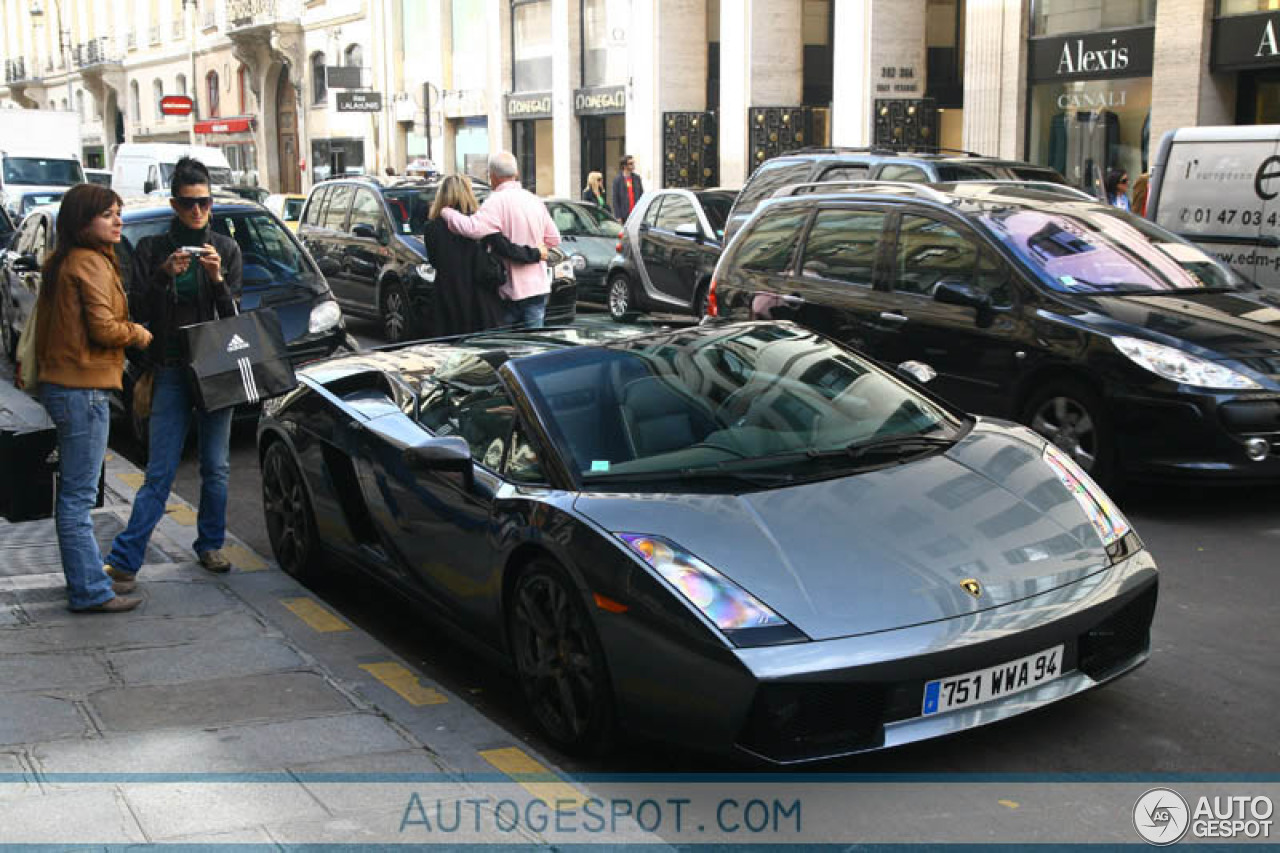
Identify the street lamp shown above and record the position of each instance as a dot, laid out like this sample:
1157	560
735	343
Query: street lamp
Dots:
64	40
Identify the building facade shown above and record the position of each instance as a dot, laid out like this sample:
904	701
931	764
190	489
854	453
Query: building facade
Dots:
700	92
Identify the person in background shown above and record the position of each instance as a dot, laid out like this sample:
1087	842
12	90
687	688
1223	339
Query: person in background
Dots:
82	329
173	287
1117	186
522	218
593	192
1140	187
626	190
458	304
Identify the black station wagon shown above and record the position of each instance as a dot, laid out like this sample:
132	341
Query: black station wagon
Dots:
1129	348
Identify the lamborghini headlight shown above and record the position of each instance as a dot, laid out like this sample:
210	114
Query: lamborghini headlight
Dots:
729	606
1177	366
1108	522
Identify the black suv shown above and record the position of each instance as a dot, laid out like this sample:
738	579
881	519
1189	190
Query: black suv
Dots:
876	164
366	236
1125	345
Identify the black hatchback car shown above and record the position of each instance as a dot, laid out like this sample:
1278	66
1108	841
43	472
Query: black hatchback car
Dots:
1129	348
277	274
667	251
876	164
366	235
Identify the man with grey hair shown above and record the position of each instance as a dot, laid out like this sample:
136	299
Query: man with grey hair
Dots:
522	218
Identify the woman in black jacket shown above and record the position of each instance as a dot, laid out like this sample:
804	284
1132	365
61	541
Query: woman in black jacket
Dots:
460	303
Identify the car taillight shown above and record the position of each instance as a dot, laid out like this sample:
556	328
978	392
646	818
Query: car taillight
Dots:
617	247
713	309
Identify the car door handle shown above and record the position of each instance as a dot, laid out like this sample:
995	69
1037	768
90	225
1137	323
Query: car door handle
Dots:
792	299
891	317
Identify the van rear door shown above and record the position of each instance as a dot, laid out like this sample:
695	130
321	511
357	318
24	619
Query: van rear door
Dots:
1218	189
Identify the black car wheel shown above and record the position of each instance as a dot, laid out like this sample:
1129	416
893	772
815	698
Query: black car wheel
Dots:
291	526
395	313
619	297
1072	418
559	661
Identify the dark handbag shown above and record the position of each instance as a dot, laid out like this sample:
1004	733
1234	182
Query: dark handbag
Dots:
490	271
237	360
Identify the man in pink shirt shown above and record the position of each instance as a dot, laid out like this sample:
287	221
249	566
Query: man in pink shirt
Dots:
522	218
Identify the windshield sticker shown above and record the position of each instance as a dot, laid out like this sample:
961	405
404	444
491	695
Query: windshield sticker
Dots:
1067	280
599	465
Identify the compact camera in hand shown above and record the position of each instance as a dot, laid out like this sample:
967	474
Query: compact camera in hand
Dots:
194	251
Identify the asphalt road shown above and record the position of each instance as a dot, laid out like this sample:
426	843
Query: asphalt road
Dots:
1205	702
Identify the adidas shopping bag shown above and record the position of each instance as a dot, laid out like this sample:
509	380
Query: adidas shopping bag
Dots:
239	359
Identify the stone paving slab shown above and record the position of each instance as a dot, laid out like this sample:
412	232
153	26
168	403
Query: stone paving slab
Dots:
166	598
201	662
11	765
168	811
365	796
33	718
256	836
383	828
68	670
101	815
40	551
119	634
230	749
218	703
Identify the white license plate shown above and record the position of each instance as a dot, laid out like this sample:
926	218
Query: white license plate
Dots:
995	682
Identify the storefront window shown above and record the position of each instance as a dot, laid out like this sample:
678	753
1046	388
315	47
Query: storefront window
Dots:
1082	128
531	37
470	44
331	157
604	41
1247	7
1052	17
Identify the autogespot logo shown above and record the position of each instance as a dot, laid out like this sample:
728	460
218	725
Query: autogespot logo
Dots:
1161	816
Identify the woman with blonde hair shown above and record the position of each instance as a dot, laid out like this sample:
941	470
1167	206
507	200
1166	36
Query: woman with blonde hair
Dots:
82	329
594	191
460	304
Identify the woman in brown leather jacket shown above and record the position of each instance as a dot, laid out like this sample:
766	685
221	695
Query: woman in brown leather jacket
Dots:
82	329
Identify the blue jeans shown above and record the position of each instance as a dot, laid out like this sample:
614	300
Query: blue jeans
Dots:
83	419
172	409
528	313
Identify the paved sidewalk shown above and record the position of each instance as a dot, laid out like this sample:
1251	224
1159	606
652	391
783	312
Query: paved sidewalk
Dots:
221	709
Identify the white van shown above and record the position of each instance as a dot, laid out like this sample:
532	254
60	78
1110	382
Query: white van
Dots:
143	167
1219	187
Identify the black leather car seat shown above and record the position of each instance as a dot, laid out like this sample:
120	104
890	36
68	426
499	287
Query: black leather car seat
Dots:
658	419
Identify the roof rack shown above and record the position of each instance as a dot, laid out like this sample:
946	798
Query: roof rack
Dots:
1042	186
883	149
817	187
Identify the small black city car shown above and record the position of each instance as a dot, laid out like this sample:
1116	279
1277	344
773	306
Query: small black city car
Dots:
366	235
1129	348
667	251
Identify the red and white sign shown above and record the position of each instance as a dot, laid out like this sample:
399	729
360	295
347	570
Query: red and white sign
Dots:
176	105
225	125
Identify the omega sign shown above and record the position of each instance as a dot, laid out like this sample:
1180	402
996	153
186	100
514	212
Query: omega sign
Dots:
1118	53
603	100
529	106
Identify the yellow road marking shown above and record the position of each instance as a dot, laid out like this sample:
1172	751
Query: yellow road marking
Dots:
317	617
244	559
132	478
517	763
405	683
1008	803
181	513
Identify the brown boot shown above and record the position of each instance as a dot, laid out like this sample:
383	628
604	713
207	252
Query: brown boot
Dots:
119	604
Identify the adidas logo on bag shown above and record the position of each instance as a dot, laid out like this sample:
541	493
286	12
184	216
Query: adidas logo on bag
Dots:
236	344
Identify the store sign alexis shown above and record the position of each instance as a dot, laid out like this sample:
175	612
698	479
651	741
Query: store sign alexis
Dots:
1080	60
